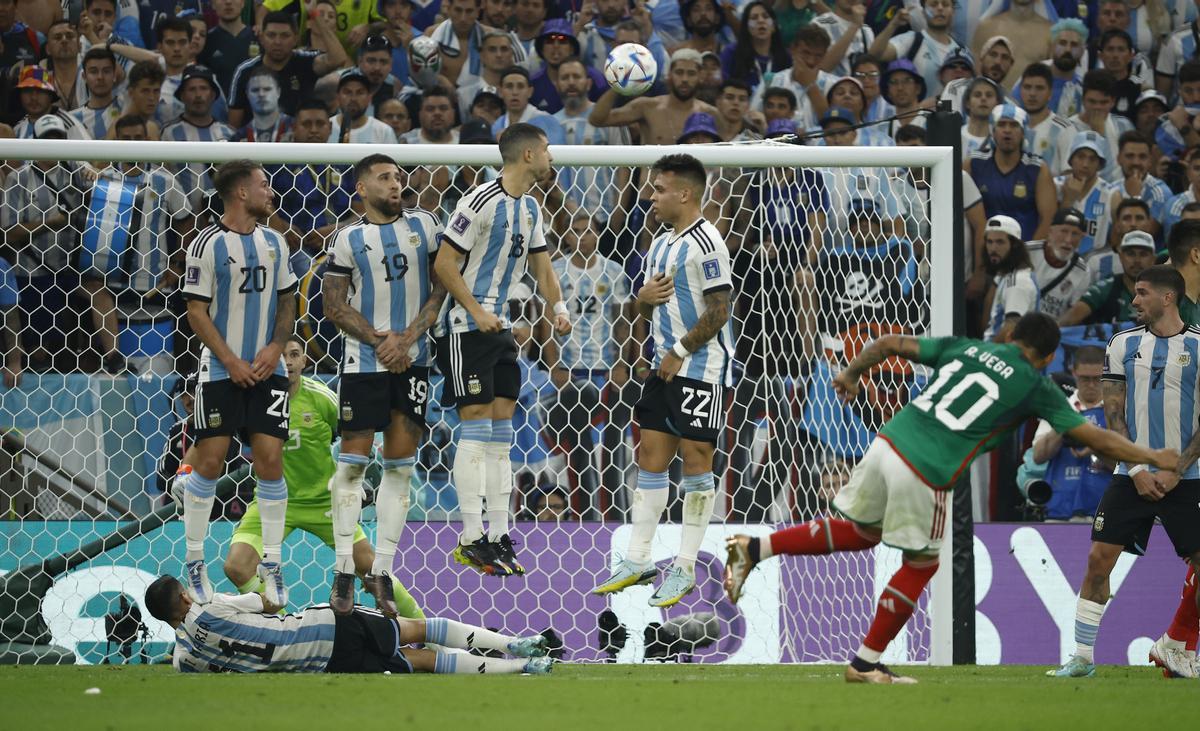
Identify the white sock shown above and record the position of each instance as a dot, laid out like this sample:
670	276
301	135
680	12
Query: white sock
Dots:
272	510
499	485
448	663
199	495
866	654
347	491
698	498
1087	625
649	501
391	511
448	633
470	476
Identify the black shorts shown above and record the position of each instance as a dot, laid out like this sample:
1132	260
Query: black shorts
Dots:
367	400
224	409
366	642
684	407
1125	519
479	367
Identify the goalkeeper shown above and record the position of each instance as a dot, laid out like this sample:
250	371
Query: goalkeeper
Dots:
308	465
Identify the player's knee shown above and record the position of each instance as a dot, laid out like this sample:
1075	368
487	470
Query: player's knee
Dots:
697	457
364	557
1101	559
238	570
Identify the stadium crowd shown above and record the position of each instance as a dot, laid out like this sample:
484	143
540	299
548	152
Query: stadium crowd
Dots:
1081	142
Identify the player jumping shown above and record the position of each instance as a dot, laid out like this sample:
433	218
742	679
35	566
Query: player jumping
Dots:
899	493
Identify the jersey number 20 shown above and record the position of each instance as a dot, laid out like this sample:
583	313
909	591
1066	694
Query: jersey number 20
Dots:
941	409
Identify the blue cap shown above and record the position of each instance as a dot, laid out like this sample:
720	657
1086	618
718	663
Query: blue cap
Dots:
699	122
903	65
781	127
1090	140
959	57
1008	110
838	114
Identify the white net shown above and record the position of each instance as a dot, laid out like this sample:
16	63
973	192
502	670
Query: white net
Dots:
826	254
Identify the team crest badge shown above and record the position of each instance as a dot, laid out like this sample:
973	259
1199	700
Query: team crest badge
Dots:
474	387
602	289
414	240
271	254
1020	191
347	413
1098	524
214	420
307	418
1185	359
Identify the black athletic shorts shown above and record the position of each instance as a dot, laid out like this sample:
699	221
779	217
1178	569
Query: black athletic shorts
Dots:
367	400
224	409
366	642
479	367
684	407
1125	519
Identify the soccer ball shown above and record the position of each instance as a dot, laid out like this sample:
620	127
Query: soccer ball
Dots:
630	69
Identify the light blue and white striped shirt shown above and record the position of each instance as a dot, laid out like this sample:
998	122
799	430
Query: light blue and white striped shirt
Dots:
388	265
1096	207
231	634
97	121
595	295
194	177
1162	387
590	187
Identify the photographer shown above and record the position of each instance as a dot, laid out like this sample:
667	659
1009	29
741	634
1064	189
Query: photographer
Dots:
1076	476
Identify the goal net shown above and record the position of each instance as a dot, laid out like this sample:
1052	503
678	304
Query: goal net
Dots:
830	248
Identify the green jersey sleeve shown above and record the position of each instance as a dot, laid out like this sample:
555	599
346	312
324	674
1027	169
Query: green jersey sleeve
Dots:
1048	402
1097	294
931	349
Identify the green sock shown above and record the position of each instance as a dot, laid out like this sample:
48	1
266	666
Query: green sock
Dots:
406	606
253	586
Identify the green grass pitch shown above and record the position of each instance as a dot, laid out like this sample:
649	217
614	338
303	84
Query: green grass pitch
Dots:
579	697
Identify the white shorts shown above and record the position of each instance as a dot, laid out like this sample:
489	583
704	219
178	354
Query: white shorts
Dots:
884	492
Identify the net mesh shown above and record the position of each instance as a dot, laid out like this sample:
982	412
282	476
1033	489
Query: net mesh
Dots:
824	260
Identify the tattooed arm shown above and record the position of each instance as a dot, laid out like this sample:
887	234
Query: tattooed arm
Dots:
1114	407
714	317
334	288
846	383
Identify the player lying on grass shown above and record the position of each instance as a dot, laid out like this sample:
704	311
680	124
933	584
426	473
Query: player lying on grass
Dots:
243	634
899	493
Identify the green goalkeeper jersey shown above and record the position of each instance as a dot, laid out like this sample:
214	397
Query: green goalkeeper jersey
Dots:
307	457
977	394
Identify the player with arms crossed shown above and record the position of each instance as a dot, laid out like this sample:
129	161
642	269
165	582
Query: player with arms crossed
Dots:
494	231
899	493
242	306
1151	393
686	298
307	468
243	634
383	262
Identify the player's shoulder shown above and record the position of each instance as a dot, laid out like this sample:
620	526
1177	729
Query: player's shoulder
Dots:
982	154
1057	120
270	235
483	195
1028	158
422	216
705	237
202	243
1122	335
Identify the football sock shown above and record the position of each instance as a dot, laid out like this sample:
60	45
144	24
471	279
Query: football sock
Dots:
406	606
499	478
698	498
347	508
391	510
649	501
272	509
1087	624
449	663
896	605
448	633
253	586
199	495
470	475
1186	624
817	537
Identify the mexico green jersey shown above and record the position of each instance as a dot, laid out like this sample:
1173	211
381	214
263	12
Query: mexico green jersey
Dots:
1189	311
307	460
977	394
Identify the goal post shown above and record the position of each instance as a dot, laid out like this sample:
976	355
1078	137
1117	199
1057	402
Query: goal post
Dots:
769	472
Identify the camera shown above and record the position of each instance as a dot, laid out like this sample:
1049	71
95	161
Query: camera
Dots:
1037	493
124	627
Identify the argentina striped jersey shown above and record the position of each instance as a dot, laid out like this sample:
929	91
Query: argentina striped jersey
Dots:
388	265
230	634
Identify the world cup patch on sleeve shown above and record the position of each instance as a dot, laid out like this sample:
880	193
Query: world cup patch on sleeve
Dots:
193	275
712	270
460	224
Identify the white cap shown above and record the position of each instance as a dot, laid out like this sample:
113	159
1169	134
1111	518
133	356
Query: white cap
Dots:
1005	224
1138	239
48	123
987	45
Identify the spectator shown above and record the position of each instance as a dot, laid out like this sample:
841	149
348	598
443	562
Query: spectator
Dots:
1117	57
394	114
1173	55
928	48
35	87
1177	130
62	60
1047	134
1147	24
1061	273
197	92
487	106
437	120
703	20
1111	300
267	123
1099	97
847	30
495	57
598	35
554	46
1013	182
660	119
20	45
869	72
400	32
228	43
792	15
805	80
594	189
1131	214
549	504
529	20
700	129
461	35
904	90
347	19
297	69
995	63
779	104
1014	291
1183	244
1190	195
137	218
1150	107
1068	39
144	96
982	96
844	185
102	107
516	92
353	124
832	476
735	121
497	13
174	46
1028	30
958	65
1082	187
759	52
1077	477
10	326
375	63
1133	178
148	14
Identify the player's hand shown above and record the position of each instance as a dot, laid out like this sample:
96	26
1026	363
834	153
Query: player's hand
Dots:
266	361
1147	486
241	373
1072	189
659	290
1167	480
356	35
1165	459
1134	183
393	351
268	607
488	323
847	386
562	324
671	364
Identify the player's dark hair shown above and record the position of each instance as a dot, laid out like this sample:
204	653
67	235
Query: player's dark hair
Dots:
1189	72
363	166
179	25
683	166
99	53
232	174
1088	355
1107	36
282	17
910	132
1039	331
131	120
162	598
518	138
1163	277
1038	70
1131	203
146	71
1184	237
1101	80
786	94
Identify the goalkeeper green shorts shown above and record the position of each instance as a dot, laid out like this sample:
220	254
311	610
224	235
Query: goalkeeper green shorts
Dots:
309	518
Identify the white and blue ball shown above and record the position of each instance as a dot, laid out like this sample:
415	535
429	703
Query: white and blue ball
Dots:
630	69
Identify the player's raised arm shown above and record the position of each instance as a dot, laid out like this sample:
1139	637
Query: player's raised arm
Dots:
846	383
1114	446
604	115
